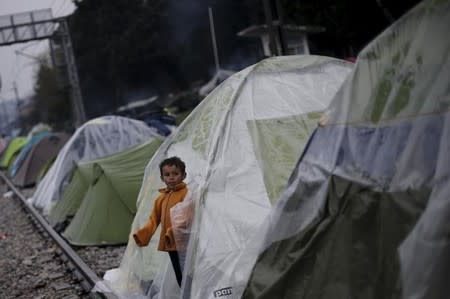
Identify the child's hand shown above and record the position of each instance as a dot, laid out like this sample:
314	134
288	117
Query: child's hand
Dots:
169	238
142	236
138	242
168	241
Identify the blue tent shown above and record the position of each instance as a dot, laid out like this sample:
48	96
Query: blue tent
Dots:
24	152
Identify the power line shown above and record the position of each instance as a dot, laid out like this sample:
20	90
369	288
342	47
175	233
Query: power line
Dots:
17	68
63	7
15	64
53	3
19	64
40	48
56	9
31	44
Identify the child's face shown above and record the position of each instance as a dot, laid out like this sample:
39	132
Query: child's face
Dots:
172	175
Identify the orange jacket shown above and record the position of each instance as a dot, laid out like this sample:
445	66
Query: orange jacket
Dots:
161	214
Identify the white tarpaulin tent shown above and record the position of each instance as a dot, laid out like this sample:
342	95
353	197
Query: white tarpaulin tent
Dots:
95	139
240	146
366	212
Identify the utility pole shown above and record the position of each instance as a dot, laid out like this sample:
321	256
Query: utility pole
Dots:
269	23
281	37
75	89
1	104
277	41
16	93
5	114
24	27
4	120
213	37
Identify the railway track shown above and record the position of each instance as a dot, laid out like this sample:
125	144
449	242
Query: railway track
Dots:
82	274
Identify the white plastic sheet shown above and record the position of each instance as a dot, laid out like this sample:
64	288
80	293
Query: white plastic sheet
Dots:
182	216
241	144
387	132
96	138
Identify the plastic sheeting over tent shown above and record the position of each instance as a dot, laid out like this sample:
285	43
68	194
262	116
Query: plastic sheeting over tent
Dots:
366	212
240	146
95	139
40	154
102	196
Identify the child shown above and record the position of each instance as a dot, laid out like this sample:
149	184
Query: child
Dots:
172	174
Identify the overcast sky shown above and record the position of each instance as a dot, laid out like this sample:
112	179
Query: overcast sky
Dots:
17	68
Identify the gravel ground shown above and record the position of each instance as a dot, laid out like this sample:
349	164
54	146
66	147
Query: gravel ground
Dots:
98	258
101	259
28	267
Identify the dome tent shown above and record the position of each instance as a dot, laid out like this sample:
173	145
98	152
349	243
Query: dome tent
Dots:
240	146
101	197
365	214
44	151
18	161
37	129
4	144
17	144
96	138
11	151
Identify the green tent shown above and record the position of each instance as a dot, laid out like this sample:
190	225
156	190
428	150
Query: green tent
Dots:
101	197
12	151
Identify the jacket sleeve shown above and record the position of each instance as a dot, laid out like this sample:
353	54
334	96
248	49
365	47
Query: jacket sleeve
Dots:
143	236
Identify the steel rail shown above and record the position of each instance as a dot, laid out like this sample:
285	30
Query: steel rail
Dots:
89	276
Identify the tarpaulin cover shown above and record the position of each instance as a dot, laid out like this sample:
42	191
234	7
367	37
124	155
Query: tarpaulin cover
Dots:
104	204
240	145
366	211
95	139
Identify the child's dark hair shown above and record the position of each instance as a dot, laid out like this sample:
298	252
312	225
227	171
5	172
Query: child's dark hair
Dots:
173	161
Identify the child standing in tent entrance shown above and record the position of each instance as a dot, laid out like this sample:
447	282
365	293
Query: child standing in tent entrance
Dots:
172	174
